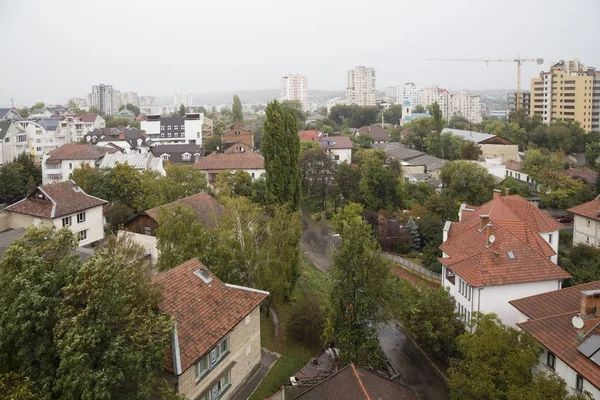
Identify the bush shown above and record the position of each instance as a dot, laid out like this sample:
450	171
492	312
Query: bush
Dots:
316	217
413	253
117	215
306	322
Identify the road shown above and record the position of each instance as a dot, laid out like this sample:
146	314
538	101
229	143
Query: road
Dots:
413	368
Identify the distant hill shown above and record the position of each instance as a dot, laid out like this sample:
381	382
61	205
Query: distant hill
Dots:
250	96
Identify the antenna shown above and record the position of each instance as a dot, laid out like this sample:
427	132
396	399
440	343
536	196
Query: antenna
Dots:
577	322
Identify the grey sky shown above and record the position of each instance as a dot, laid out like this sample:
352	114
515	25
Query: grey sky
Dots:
53	50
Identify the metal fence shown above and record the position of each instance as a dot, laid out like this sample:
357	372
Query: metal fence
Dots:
411	265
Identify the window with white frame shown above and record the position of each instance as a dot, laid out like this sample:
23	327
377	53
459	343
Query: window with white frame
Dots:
165	156
21	138
66	221
81	217
82	235
202	368
220	387
186	156
212	359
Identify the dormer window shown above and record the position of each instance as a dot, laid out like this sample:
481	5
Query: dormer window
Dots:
186	156
165	156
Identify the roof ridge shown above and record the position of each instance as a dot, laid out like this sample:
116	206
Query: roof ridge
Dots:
360	382
547	317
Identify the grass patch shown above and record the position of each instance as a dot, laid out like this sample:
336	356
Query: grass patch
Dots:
294	355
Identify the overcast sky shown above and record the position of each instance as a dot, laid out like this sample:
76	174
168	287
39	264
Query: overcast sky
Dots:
54	50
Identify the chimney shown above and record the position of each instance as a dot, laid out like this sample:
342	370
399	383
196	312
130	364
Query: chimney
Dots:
497	194
121	135
484	219
590	302
506	191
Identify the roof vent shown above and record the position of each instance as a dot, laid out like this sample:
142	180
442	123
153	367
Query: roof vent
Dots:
511	255
202	274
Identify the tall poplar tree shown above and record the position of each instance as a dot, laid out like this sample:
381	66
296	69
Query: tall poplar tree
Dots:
238	113
281	149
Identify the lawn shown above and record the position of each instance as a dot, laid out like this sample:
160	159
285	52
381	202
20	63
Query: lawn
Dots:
294	355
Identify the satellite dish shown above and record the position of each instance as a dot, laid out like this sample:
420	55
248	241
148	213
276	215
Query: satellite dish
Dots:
577	322
492	238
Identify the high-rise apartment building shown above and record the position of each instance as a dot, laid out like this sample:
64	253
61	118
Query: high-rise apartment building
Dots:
467	105
432	94
146	101
409	91
390	93
129	98
361	86
525	102
183	98
570	91
102	98
294	87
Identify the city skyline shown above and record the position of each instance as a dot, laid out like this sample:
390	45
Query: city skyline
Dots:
397	53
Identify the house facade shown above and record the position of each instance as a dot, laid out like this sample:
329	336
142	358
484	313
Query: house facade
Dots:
337	147
586	223
61	205
565	323
490	145
59	164
378	134
7	114
237	139
215	163
218	362
129	141
8	138
514	169
181	130
178	153
503	250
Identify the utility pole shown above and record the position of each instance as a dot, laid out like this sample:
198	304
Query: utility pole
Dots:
382	119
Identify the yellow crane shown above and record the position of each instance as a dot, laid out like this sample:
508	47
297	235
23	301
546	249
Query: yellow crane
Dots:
517	60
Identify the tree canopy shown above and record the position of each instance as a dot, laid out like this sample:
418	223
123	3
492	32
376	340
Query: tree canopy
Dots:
468	182
237	111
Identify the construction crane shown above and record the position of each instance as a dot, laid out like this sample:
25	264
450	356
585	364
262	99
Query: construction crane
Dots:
517	60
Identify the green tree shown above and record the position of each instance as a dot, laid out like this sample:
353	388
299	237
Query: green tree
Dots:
514	187
38	106
413	231
469	150
436	114
91	180
33	272
281	149
134	109
347	178
12	183
468	182
378	183
24	112
111	337
418	109
360	277
318	170
418	193
181	181
566	136
238	113
537	161
118	122
238	183
393	114
561	191
582	262
418	130
362	141
126	186
117	215
592	153
212	144
16	387
298	109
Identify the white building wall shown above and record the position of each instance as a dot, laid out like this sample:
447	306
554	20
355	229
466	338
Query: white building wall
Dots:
65	169
552	239
193	130
94	224
519	175
467	105
586	231
563	370
148	242
342	154
409	91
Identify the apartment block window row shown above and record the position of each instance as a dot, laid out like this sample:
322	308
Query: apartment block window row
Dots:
212	359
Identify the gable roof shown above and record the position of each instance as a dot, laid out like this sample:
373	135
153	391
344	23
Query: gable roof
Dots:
205	312
176	151
375	131
87	117
357	383
5	111
4	128
56	200
230	161
551	325
75	151
207	208
309	135
587	175
591	209
477	137
480	264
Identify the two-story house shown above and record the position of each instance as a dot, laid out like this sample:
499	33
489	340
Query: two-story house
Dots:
59	164
129	140
215	163
499	252
566	323
237	139
337	147
215	344
61	204
586	223
377	134
514	169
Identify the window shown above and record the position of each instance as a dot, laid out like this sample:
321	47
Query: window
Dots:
550	238
186	156
219	352
83	235
165	156
7	139
579	383
201	368
38	131
38	140
588	222
38	149
551	360
147	231
221	386
81	217
450	277
70	166
336	157
66	221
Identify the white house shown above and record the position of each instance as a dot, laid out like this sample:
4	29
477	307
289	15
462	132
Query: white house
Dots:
8	140
141	162
186	129
586	223
490	145
566	324
338	147
73	128
61	204
503	250
514	169
58	164
215	163
35	137
9	114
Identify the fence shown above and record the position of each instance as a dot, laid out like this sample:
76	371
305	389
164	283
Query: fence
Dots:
411	265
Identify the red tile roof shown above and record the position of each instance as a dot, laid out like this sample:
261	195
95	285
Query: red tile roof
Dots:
587	175
310	135
88	117
553	303
480	264
514	165
56	200
357	383
230	161
375	131
205	312
74	151
591	209
207	208
551	325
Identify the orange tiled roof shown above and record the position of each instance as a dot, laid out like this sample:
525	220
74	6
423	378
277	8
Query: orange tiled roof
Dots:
557	334
514	165
591	209
480	264
310	135
205	312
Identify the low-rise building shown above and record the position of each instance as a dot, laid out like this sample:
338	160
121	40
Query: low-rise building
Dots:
181	130
503	250
215	345
61	204
125	114
8	140
490	145
583	174
378	134
9	114
178	153
408	115
566	323
73	128
237	139
215	163
59	164
514	169
126	140
414	158
586	223
140	162
338	147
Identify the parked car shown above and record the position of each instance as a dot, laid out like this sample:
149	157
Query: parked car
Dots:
565	219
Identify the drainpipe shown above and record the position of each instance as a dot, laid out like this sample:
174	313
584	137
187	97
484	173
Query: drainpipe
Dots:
478	300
